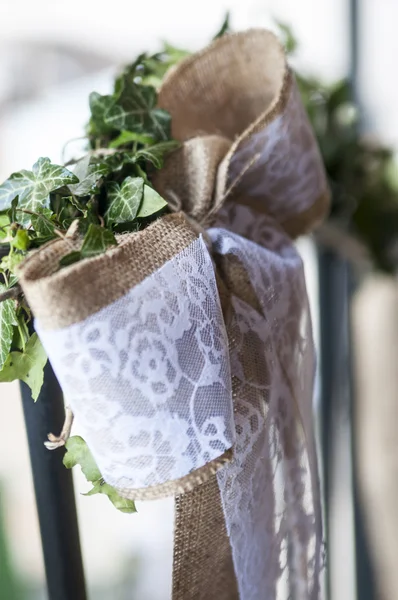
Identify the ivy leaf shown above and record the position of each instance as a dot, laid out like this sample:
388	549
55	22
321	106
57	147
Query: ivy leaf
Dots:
152	203
135	110
124	200
11	261
157	153
13	280
8	318
288	39
173	55
70	259
66	214
4	227
122	504
42	224
89	173
33	187
115	162
27	366
21	332
126	137
96	241
78	453
76	203
90	215
21	240
153	68
99	105
225	27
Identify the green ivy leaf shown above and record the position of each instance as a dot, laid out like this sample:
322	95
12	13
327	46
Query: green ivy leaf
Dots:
127	137
11	261
70	259
21	332
66	213
27	366
89	173
33	187
42	223
21	240
225	27
152	203
157	153
4	227
99	105
96	241
156	66
122	504
135	110
76	203
124	201
8	318
78	453
116	161
288	39
12	211
172	55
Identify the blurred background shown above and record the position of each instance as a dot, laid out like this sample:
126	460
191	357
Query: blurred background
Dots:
52	55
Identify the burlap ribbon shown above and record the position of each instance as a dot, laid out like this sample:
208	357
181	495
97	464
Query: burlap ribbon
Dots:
250	167
246	136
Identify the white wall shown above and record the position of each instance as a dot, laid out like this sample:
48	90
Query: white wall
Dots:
131	24
378	81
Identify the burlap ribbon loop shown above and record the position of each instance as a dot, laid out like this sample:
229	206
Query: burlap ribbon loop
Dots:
246	137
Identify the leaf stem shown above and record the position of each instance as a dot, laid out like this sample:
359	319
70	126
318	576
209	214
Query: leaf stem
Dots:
96	152
30	212
11	294
76	139
60	440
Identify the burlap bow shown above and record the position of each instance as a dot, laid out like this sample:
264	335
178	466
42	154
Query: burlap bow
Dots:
186	352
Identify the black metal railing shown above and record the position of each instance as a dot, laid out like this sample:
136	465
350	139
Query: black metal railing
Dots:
338	400
336	286
55	498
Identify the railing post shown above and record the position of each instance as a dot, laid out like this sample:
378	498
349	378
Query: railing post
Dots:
366	589
335	391
337	414
54	493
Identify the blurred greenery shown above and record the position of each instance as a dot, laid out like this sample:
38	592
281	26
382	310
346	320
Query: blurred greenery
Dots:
9	585
363	174
14	587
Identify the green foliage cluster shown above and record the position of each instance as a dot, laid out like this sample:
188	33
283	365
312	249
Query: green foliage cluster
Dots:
105	192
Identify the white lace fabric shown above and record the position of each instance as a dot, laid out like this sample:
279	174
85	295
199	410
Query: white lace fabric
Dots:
288	175
148	376
270	490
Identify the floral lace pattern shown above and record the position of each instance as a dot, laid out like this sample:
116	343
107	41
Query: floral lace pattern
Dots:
148	376
269	491
288	175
